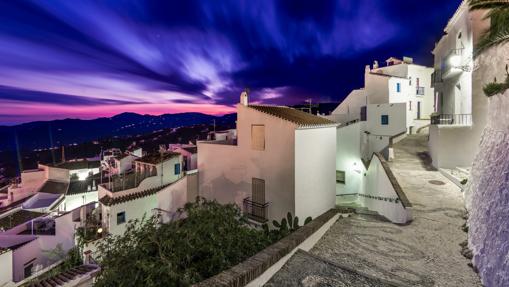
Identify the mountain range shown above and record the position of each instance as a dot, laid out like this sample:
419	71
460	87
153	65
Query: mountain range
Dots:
43	134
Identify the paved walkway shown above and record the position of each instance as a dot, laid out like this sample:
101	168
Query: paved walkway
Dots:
425	252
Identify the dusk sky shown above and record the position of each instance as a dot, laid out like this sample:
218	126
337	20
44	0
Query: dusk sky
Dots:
86	59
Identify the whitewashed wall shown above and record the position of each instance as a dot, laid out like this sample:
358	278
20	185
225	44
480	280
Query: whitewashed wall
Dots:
6	267
226	172
315	176
378	184
76	200
376	88
348	158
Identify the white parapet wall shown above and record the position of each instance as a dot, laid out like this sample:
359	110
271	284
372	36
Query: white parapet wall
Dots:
306	245
383	193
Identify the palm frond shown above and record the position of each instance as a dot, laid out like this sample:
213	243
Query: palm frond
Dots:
500	38
488	4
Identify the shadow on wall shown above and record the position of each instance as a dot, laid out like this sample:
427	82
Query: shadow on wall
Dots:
224	190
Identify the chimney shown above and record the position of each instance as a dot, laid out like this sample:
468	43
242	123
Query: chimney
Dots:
244	99
375	64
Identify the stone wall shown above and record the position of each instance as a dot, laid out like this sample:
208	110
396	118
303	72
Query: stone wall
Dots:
250	269
488	197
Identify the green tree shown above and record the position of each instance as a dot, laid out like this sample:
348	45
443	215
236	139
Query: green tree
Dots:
498	33
211	238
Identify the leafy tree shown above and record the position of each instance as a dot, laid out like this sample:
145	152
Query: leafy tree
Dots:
211	238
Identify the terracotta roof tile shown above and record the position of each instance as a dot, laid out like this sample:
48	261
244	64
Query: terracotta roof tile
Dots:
109	201
292	115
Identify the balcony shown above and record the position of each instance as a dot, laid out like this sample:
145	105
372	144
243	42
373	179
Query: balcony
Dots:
436	78
420	91
452	119
256	211
453	64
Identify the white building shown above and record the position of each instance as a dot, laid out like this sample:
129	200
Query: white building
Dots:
30	236
139	193
400	81
55	186
190	156
460	102
280	162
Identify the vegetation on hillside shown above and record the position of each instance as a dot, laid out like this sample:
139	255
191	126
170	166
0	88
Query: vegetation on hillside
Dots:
211	238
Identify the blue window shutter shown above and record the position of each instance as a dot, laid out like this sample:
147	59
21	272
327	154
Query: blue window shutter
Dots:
385	120
398	87
177	168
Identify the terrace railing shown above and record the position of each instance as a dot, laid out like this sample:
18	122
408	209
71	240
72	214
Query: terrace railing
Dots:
452	119
255	210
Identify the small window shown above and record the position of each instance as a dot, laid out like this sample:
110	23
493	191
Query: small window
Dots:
410	81
410	105
258	137
27	270
340	176
417	82
120	217
385	120
177	168
398	87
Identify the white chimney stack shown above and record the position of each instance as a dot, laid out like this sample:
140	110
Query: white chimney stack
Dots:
244	99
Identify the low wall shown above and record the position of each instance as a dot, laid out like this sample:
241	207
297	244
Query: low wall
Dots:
256	266
383	193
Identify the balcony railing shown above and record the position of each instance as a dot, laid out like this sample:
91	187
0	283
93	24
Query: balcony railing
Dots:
255	210
452	119
436	77
420	91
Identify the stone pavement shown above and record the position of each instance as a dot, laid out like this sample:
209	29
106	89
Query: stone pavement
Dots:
425	252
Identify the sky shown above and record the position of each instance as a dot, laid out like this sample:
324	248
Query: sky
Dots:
87	59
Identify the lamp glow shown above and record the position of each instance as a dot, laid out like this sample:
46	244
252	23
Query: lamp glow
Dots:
455	60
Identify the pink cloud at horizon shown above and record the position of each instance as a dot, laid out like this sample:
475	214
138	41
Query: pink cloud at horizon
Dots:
16	113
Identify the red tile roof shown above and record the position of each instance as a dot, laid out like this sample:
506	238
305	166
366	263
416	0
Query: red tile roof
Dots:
292	115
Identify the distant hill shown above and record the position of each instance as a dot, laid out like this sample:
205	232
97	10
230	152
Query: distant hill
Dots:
43	134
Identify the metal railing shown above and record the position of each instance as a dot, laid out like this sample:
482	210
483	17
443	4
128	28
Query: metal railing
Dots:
436	77
255	210
420	91
452	119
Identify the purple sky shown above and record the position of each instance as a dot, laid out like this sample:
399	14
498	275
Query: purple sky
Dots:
87	59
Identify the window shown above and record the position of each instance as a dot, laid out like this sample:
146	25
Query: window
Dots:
258	137
27	270
410	81
417	82
120	217
410	105
398	87
340	176
385	120
177	168
258	209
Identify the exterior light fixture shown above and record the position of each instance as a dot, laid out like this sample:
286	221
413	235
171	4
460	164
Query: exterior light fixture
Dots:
455	60
99	230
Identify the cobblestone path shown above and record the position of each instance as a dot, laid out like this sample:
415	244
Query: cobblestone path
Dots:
425	252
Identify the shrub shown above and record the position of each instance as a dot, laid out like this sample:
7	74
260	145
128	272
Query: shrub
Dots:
212	238
495	88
